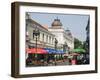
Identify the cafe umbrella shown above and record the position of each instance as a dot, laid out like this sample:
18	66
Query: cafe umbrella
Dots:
78	50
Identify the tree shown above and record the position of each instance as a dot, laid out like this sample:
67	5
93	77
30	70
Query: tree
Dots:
86	46
77	43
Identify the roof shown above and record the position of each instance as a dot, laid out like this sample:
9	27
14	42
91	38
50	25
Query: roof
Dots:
56	24
39	26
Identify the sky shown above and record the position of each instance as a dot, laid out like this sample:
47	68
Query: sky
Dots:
75	23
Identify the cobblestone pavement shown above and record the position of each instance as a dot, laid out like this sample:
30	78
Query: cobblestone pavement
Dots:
59	63
53	63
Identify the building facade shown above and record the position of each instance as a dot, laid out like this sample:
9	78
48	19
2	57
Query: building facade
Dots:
64	37
45	39
47	36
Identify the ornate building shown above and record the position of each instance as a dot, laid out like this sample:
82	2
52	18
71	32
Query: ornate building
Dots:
46	37
64	37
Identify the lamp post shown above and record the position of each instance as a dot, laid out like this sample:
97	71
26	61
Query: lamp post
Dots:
56	42
36	33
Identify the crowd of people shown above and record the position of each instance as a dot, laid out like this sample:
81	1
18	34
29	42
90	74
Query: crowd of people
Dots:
50	60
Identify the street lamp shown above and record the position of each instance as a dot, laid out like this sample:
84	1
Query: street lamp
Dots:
36	33
56	42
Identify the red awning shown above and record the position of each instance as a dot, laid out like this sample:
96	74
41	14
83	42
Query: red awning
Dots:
36	51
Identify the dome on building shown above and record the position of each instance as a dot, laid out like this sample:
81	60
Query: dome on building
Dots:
56	22
68	32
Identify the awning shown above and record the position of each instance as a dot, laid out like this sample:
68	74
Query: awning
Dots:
36	51
50	51
53	51
60	52
44	51
78	50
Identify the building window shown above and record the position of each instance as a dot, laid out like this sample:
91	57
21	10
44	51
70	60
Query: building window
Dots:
33	35
39	37
43	37
52	40
47	39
